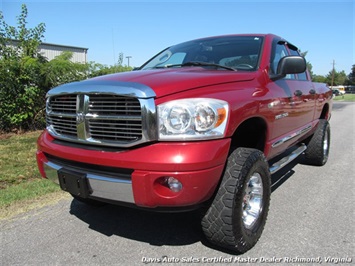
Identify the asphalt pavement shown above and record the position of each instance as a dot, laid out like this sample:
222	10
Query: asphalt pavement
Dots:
311	221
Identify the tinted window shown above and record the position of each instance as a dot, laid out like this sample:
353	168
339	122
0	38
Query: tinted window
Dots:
300	76
279	52
239	52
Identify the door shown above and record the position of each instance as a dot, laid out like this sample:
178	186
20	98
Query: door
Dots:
294	100
304	91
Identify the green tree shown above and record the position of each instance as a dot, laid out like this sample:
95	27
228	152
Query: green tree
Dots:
26	76
62	70
96	69
23	41
20	73
309	65
340	78
319	78
120	59
351	76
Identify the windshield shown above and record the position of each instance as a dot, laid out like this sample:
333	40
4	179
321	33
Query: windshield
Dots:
237	52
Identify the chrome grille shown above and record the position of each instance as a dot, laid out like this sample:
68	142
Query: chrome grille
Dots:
114	105
115	130
64	104
62	125
100	119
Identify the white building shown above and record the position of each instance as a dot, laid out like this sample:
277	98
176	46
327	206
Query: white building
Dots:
50	51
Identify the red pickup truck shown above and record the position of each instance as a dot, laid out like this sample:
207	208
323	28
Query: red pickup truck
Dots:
203	124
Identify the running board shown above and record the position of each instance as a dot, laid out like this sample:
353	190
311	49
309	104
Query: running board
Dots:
286	160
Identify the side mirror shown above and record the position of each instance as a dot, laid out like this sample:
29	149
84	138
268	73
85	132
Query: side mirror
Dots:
292	64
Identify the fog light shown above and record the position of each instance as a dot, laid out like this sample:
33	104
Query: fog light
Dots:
173	184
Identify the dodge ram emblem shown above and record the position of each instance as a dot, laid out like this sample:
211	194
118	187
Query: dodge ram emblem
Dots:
80	117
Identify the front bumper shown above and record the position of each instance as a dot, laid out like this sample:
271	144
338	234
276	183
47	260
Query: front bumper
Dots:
133	176
101	186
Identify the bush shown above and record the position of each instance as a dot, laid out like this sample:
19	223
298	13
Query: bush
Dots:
26	76
21	97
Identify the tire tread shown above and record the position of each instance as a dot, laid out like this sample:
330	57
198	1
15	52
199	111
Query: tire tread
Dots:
217	223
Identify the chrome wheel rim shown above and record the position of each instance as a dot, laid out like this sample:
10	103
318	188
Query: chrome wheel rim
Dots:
325	144
252	200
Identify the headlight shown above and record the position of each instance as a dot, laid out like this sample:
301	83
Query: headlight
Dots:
189	119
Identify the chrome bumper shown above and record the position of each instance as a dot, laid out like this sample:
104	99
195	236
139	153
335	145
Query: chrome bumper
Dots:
102	187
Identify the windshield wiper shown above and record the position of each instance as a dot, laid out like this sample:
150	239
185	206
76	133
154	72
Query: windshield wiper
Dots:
197	63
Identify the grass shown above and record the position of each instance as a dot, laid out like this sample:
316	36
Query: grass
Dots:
20	180
25	191
345	98
17	159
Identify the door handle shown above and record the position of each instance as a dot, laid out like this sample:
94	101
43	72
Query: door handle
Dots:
298	93
312	91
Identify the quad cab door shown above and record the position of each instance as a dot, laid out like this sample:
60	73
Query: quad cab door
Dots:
304	91
294	100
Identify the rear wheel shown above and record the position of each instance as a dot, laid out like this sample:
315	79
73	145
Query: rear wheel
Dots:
237	215
317	152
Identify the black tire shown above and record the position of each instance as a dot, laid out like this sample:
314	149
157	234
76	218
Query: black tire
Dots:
317	152
223	224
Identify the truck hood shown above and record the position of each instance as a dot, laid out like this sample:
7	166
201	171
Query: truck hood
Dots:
170	81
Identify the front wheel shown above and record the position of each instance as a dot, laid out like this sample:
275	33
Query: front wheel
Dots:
237	215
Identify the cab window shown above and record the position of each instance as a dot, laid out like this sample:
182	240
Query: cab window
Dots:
303	75
280	51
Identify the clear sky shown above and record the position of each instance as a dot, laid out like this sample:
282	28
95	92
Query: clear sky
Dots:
142	28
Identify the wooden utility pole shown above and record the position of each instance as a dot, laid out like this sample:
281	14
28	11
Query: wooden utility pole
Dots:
333	73
128	57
